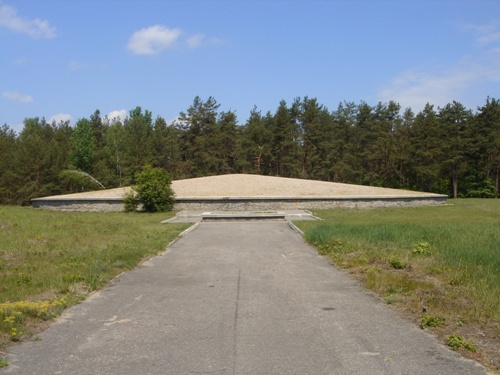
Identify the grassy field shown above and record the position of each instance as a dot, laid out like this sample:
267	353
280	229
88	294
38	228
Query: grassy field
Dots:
50	260
439	266
444	260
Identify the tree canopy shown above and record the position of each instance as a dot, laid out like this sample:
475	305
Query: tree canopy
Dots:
449	150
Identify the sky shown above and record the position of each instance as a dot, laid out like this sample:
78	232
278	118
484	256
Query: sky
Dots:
63	59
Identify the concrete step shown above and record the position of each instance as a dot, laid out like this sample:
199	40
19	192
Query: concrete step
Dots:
243	217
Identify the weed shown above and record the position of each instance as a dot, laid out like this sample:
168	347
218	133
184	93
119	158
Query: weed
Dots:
15	335
457	342
422	248
397	264
392	299
24	279
3	363
429	321
71	278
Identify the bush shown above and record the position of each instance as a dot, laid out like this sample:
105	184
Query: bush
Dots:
429	321
152	190
457	342
397	264
422	248
131	201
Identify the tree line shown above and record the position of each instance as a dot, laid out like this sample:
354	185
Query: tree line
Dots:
449	150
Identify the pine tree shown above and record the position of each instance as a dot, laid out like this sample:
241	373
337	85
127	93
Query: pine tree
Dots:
455	121
316	129
487	143
427	152
285	147
83	146
138	131
199	126
9	177
166	149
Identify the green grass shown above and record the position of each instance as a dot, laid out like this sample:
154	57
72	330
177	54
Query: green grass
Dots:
50	260
445	259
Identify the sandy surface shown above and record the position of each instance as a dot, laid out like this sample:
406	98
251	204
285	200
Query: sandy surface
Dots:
245	185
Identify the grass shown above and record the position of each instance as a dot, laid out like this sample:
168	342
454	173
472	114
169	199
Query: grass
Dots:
50	260
439	266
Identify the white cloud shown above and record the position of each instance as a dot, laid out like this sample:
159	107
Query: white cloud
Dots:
152	40
439	86
195	40
416	88
35	28
120	115
59	117
20	62
486	34
78	65
18	97
173	121
489	38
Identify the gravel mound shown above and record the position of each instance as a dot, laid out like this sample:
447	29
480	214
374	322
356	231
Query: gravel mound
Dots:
247	185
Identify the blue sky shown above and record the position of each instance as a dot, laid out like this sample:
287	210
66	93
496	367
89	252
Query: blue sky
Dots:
63	59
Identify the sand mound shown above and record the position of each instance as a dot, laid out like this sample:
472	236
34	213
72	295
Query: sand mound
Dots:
247	185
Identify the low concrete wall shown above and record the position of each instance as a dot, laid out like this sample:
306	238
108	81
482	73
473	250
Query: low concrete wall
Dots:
300	203
249	203
111	204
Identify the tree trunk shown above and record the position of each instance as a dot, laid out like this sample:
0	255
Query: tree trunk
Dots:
454	182
497	182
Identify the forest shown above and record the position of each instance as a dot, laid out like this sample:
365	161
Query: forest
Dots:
449	150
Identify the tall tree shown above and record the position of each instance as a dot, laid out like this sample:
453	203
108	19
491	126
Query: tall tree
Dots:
487	140
98	128
113	153
427	152
9	178
402	160
138	130
316	128
199	126
83	146
365	135
166	148
387	120
343	159
286	140
455	120
256	143
41	156
226	143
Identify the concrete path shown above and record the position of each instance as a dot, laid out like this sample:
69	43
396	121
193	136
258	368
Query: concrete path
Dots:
235	298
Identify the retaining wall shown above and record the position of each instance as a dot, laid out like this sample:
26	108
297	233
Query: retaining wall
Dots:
249	203
95	204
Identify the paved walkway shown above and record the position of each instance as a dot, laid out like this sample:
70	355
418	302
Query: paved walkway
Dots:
235	298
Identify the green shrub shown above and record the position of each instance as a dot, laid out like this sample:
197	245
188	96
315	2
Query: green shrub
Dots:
397	264
152	190
431	321
131	201
422	248
457	342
